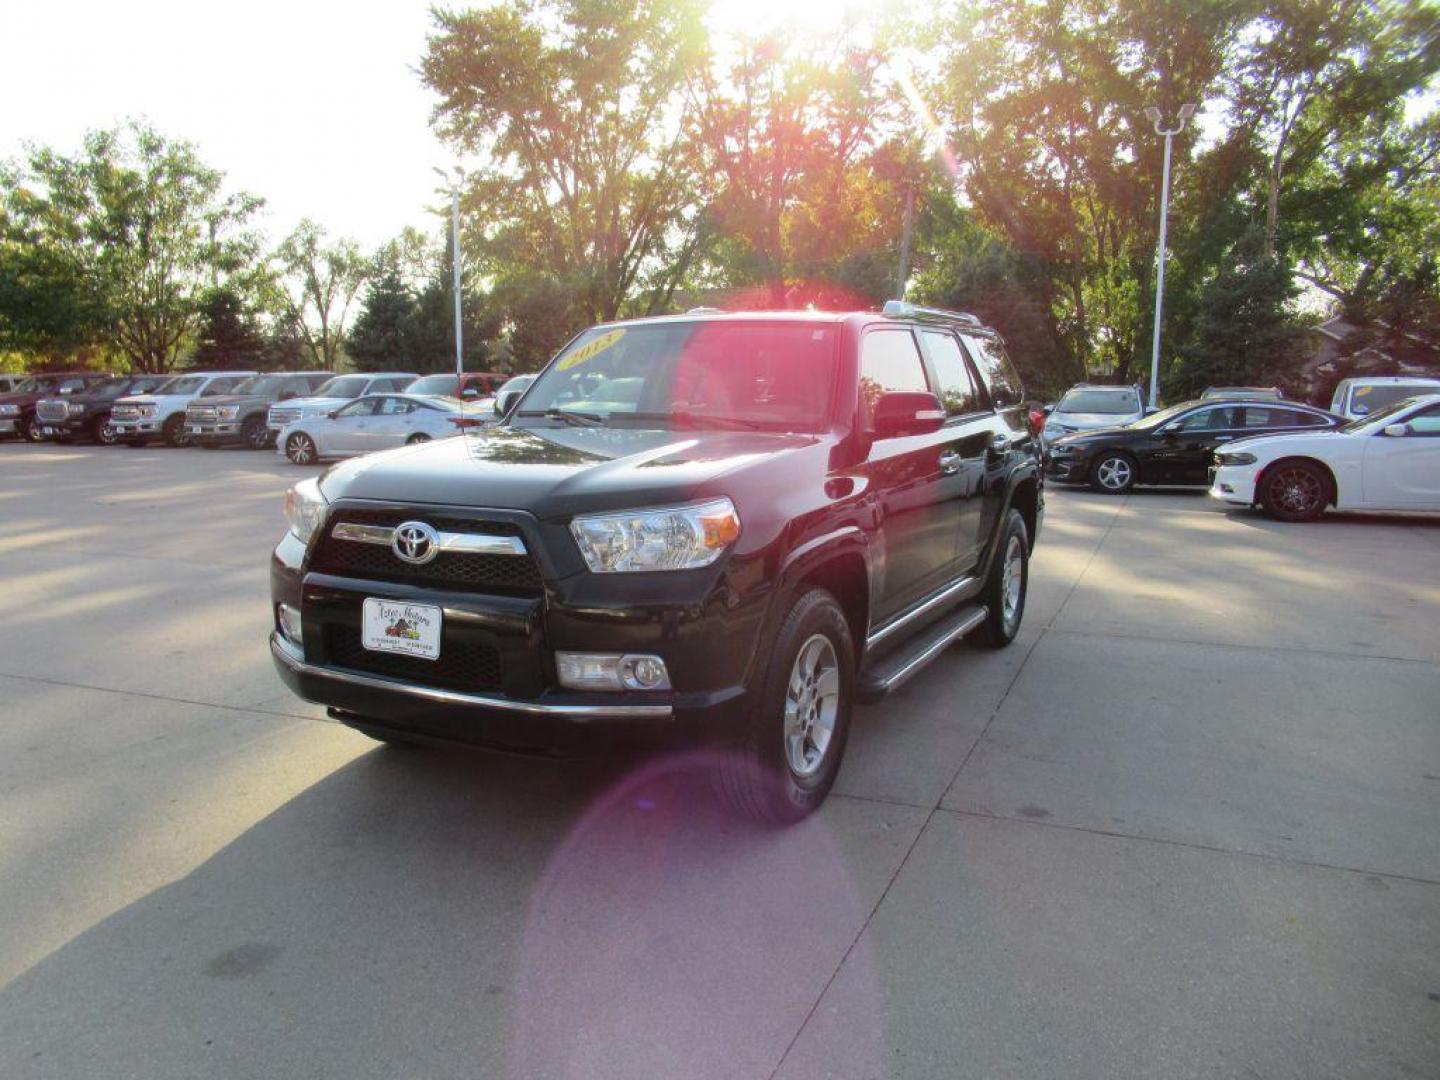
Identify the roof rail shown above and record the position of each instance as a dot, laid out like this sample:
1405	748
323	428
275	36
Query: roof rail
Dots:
901	309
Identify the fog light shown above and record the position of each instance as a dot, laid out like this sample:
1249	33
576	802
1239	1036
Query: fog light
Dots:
611	671
290	626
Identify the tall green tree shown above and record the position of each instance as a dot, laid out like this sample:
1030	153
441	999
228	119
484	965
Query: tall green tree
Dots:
229	334
575	107
135	222
317	283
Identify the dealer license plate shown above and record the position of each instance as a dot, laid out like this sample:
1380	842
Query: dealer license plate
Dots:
395	627
7	425
196	429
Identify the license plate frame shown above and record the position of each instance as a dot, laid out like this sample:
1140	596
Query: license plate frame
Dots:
400	628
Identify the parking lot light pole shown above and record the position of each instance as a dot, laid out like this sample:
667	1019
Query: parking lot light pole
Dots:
453	185
1154	116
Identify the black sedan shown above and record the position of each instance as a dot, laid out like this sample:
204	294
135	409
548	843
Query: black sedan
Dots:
1172	446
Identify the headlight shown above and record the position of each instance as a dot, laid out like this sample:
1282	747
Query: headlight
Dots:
228	412
1060	449
1238	457
9	410
305	508
677	538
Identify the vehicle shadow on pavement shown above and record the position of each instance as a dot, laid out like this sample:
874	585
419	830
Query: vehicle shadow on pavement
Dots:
427	914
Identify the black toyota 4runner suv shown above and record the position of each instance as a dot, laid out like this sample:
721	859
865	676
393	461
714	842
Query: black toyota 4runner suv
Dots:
724	527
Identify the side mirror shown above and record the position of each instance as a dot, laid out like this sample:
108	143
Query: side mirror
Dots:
907	413
333	414
1396	431
505	400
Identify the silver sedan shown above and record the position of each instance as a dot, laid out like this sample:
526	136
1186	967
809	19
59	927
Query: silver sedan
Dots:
370	423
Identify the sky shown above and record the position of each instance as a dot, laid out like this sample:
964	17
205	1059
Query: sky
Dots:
313	105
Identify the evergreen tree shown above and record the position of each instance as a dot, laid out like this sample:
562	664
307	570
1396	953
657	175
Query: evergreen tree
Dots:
229	336
381	338
1243	333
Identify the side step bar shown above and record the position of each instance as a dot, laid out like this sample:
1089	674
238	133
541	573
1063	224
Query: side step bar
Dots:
894	671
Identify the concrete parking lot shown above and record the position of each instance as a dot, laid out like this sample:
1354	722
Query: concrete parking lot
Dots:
1187	826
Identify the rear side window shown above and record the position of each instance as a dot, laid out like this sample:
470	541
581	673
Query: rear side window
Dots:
996	370
1218	419
956	385
220	386
1256	417
889	362
395	406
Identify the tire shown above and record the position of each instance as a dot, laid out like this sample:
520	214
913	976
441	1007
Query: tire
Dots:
102	432
788	760
29	430
173	431
300	449
417	438
254	434
1294	491
1113	472
1006	586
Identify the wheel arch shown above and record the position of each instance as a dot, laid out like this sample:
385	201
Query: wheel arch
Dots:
1332	485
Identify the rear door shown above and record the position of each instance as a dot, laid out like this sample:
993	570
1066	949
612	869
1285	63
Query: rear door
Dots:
918	497
970	426
392	424
348	431
1404	472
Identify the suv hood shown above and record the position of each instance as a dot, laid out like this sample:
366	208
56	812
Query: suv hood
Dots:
563	471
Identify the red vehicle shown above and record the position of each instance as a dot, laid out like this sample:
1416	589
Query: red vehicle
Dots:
472	386
17	408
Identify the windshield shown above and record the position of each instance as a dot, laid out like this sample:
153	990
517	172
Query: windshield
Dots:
259	384
1366	400
1105	402
1378	417
770	375
183	384
36	386
346	386
109	390
433	384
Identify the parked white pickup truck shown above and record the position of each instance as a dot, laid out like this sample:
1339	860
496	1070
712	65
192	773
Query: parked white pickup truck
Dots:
138	419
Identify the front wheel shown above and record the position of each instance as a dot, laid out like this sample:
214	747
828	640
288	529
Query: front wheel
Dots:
102	432
1006	586
173	431
798	726
30	430
418	437
254	434
1294	491
1113	473
300	449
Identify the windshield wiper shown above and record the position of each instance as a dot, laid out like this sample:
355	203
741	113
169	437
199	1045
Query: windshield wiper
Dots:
570	416
733	423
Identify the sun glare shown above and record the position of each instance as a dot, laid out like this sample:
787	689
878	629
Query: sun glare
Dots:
746	18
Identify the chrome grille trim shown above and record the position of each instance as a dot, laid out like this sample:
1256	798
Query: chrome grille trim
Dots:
52	410
459	543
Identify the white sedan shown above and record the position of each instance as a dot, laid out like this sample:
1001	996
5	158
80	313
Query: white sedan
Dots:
373	422
1389	460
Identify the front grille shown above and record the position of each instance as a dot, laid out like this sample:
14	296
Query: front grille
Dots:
512	574
281	417
201	412
51	410
125	412
461	665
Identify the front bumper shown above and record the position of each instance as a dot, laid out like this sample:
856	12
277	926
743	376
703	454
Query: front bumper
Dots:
1234	484
213	430
131	428
1069	469
63	429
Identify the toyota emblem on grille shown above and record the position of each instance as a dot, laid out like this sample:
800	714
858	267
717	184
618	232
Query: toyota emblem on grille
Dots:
415	542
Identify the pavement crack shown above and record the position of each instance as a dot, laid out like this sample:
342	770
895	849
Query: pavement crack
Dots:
152	697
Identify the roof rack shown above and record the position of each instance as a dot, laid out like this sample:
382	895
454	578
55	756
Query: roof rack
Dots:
900	309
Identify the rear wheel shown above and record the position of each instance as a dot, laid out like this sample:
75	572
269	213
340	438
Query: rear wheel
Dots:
1295	491
418	437
1113	473
254	434
1006	586
300	449
800	720
173	431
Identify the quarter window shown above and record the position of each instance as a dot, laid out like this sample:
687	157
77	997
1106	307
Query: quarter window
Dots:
889	362
996	370
957	386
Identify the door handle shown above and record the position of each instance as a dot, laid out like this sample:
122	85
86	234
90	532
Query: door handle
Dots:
950	462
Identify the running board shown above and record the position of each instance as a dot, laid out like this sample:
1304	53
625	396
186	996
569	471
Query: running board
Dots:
895	670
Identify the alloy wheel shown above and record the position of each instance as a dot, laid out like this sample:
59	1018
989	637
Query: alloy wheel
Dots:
1114	474
1296	491
812	702
300	449
1012	582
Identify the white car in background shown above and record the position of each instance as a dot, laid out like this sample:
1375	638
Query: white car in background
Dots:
1087	407
1364	395
333	393
137	419
1389	460
374	422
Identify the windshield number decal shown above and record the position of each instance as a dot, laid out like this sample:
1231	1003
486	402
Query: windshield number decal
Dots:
590	350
